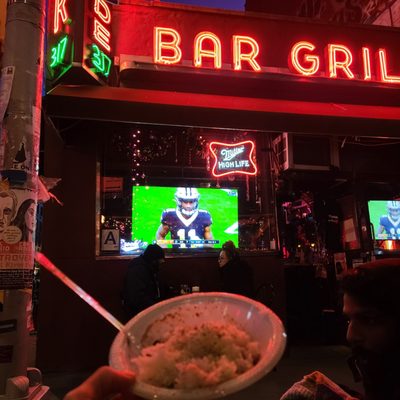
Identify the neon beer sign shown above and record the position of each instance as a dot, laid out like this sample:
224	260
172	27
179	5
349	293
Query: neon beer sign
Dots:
304	57
233	158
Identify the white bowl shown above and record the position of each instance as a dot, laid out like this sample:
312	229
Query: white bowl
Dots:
158	321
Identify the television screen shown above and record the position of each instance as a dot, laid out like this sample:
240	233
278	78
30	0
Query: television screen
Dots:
384	216
184	217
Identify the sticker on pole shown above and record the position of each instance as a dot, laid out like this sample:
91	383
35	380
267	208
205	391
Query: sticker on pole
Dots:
17	237
110	240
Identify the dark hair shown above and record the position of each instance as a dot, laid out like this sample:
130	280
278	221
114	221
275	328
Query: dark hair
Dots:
19	219
230	250
376	284
153	252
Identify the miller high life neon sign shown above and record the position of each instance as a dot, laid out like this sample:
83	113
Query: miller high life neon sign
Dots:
233	158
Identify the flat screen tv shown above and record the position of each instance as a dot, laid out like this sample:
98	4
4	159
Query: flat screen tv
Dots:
384	216
183	218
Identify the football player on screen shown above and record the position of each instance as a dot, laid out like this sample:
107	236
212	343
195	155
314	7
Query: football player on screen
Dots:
185	222
390	224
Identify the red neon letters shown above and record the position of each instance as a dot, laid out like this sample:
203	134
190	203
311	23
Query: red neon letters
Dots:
311	62
101	24
200	52
60	13
339	57
366	63
250	57
166	46
233	158
304	57
167	49
384	70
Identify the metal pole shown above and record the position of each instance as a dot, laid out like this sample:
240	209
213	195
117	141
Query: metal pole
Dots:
19	154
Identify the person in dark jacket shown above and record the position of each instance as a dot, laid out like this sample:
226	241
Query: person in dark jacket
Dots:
236	275
141	288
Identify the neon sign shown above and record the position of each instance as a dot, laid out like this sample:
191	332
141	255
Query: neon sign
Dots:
99	43
233	158
385	77
311	62
200	52
101	61
60	46
61	15
250	57
167	41
304	57
58	51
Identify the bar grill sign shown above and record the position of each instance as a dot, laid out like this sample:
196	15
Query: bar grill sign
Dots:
233	158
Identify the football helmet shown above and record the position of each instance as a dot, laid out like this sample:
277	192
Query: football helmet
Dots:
393	207
189	196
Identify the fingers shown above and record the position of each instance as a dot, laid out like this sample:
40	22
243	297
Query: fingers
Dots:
106	382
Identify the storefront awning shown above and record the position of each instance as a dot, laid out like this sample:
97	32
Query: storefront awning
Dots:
218	111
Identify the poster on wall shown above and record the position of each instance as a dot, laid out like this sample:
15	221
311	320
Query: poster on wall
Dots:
339	260
17	237
350	237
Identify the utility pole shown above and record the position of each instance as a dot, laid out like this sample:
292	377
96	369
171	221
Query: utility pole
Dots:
21	99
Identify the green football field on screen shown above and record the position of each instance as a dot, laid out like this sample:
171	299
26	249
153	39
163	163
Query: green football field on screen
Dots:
148	203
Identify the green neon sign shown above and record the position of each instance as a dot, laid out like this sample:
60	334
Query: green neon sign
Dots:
101	62
58	52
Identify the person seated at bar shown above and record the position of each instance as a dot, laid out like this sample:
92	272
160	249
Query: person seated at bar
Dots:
371	303
141	288
236	275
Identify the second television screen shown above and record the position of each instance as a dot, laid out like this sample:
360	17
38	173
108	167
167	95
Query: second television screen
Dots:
184	217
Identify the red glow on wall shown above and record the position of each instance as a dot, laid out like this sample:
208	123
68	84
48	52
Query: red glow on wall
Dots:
200	51
310	63
166	46
233	158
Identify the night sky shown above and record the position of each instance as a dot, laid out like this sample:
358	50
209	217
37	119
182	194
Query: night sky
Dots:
228	4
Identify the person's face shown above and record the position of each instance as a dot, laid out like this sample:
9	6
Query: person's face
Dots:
394	213
6	210
30	217
222	259
188	205
368	329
